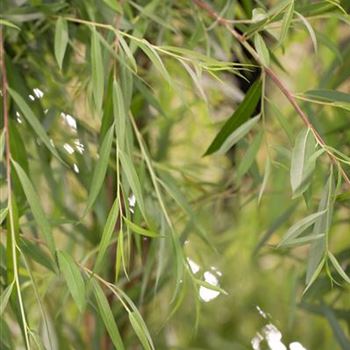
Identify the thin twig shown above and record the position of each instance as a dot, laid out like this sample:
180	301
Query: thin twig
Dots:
278	82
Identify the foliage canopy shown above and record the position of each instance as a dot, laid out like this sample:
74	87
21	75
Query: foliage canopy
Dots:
155	156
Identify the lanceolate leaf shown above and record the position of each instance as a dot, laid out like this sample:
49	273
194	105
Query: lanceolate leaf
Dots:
107	316
33	121
239	133
74	279
3	213
35	206
120	114
303	163
61	40
328	95
133	180
139	331
107	233
299	227
97	70
100	169
322	225
262	50
338	268
139	230
287	19
242	114
5	296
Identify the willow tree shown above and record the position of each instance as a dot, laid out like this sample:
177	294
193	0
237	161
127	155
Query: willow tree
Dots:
145	142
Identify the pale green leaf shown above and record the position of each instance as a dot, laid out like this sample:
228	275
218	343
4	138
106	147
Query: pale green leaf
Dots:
309	28
73	278
120	114
61	40
3	214
139	331
237	135
100	169
107	234
267	172
337	266
6	23
302	164
299	227
140	230
262	50
287	20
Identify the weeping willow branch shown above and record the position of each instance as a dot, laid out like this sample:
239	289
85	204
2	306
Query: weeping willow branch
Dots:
277	81
11	239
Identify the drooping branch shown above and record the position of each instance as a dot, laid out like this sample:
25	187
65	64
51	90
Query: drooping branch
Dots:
276	80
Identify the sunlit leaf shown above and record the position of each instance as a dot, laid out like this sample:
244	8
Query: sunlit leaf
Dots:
262	50
97	70
140	230
286	22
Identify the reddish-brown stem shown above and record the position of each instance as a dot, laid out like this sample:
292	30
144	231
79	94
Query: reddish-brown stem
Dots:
278	82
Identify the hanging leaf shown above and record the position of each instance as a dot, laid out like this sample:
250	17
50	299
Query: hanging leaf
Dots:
100	169
267	172
286	22
5	296
107	316
120	114
74	280
3	214
241	115
262	50
238	134
310	30
133	180
33	121
328	95
35	206
338	268
303	164
298	228
139	331
107	234
322	225
61	40
139	230
97	70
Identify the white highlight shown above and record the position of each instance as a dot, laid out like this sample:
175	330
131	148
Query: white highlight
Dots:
296	346
193	266
132	202
38	93
207	294
68	148
31	97
75	168
79	146
70	121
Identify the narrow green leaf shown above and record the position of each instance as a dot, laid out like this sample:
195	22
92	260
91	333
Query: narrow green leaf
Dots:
322	225
309	28
267	172
153	56
241	115
139	230
337	266
237	135
107	234
119	258
100	169
37	210
314	275
97	70
114	5
74	279
250	155
139	331
33	121
107	316
5	296
328	95
262	50
4	22
301	165
3	214
210	286
287	20
120	114
303	240
133	180
2	145
61	40
299	227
